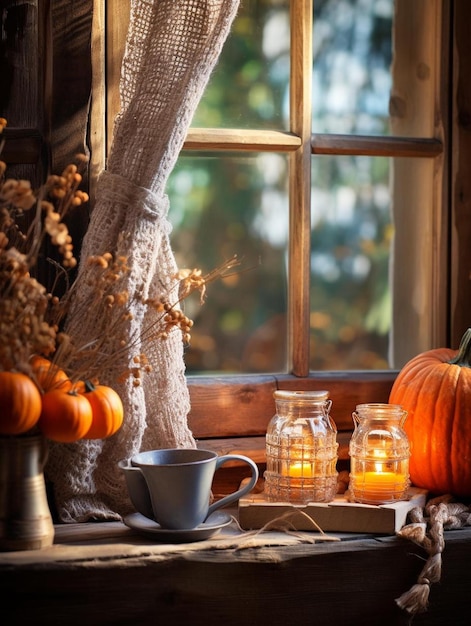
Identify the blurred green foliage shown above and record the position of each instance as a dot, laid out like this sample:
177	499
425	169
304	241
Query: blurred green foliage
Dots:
224	204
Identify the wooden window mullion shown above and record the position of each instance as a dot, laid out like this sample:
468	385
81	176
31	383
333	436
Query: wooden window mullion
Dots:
300	188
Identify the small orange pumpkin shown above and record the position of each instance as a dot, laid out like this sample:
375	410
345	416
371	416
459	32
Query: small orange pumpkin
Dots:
435	390
66	416
107	410
47	374
20	403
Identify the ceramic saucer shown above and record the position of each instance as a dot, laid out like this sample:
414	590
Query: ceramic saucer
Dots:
210	527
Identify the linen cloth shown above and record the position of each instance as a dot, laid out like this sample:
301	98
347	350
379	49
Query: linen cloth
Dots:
171	48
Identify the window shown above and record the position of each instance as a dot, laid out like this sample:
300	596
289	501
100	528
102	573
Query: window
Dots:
322	164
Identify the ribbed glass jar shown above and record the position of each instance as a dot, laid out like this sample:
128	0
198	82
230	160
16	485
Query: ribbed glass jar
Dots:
301	449
379	454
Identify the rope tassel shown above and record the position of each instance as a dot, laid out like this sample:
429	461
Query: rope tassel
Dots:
427	531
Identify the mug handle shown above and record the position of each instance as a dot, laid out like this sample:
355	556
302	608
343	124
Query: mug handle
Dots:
240	492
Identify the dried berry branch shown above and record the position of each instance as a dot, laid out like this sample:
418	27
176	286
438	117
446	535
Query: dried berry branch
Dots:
30	317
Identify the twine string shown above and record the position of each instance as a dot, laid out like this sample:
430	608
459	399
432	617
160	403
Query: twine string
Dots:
284	523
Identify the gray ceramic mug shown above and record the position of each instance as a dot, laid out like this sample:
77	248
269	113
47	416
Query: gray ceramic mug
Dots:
137	488
179	481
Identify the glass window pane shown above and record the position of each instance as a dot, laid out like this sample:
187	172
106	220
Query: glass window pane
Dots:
351	241
373	245
221	205
352	43
249	86
373	67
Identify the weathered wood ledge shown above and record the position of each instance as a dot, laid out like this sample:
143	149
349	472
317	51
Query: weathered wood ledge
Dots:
106	573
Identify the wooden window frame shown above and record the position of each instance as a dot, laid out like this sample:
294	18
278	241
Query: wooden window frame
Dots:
243	405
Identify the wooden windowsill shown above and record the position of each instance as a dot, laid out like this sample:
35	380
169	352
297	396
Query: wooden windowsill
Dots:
105	573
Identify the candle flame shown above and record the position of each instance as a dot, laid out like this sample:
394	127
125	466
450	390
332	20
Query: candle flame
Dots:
379	465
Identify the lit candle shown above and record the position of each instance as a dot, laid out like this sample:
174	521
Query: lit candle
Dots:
300	470
380	486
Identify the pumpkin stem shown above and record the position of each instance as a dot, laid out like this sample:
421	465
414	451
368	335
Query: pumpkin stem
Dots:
89	386
463	358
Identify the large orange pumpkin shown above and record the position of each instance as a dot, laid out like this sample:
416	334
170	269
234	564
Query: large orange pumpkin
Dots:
20	403
435	389
107	410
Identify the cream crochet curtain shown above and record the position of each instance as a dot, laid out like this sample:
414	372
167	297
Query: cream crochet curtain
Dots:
172	47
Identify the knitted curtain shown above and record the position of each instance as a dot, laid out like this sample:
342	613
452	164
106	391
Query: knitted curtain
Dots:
171	48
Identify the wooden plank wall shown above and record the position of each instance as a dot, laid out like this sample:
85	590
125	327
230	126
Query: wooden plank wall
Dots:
45	63
22	71
70	95
461	167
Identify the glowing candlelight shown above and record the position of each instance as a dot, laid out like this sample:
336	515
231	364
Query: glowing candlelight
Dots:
380	486
300	470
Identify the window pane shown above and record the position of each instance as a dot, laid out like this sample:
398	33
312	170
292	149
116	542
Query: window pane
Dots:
249	87
226	205
374	66
351	240
373	260
352	43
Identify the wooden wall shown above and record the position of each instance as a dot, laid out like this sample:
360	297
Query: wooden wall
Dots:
461	174
46	74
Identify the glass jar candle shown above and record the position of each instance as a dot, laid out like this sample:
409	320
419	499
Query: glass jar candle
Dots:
301	449
379	454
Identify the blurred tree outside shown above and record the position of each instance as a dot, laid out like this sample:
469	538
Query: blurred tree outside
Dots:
223	204
351	202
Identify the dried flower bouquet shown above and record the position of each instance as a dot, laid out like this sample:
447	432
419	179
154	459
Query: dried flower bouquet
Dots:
49	383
